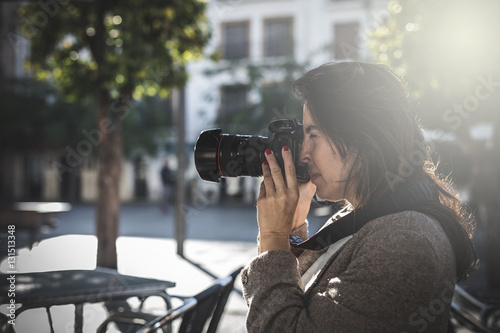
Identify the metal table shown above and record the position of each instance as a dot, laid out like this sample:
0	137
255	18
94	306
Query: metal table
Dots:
46	289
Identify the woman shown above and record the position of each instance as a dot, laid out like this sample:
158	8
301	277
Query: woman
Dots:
396	270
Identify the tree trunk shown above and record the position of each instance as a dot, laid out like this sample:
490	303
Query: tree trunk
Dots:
109	118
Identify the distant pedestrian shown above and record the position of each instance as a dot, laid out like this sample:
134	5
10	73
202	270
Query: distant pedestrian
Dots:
168	181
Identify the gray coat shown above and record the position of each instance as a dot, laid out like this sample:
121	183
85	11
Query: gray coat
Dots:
395	275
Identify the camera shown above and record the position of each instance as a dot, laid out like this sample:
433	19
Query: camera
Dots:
232	155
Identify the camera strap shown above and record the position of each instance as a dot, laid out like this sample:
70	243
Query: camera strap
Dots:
347	222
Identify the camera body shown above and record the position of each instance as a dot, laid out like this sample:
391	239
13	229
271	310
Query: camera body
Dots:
231	155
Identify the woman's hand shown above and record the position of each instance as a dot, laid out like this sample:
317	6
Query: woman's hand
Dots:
277	202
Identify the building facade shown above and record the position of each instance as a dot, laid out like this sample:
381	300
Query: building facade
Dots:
268	32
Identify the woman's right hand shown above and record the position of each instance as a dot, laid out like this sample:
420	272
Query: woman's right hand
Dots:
306	194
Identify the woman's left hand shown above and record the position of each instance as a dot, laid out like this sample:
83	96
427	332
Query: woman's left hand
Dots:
277	202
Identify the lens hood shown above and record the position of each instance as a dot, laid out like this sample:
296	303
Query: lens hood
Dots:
206	155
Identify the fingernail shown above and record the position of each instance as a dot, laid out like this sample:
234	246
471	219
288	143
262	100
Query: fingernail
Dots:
265	162
268	151
286	148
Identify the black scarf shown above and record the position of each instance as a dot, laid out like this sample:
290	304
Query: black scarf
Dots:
346	222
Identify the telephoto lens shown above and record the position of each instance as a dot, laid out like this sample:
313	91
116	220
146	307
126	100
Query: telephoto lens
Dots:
231	155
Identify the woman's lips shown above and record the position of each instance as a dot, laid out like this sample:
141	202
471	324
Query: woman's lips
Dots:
314	176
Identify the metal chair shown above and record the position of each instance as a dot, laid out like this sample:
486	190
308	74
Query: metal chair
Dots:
465	310
195	311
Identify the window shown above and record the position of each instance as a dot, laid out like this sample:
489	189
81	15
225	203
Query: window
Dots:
278	37
235	40
233	99
346	44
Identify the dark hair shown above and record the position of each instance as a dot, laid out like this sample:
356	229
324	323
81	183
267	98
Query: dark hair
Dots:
366	109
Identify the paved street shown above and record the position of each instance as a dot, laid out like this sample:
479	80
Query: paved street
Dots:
229	222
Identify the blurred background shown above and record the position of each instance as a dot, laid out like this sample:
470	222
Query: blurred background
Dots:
101	103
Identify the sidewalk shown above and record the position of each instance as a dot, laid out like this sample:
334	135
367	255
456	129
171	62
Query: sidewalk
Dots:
145	257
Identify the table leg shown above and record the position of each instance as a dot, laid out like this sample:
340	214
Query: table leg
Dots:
49	317
78	318
167	299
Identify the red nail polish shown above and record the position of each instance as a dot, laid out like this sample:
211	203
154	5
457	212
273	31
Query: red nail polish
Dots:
265	162
268	151
286	148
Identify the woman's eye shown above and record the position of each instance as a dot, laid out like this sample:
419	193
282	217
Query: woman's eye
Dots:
312	135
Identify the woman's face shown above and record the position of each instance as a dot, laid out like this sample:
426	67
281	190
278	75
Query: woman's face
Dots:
326	167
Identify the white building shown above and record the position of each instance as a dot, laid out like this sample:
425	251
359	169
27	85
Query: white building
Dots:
262	32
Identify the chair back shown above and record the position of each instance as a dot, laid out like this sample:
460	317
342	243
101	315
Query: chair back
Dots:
462	310
195	311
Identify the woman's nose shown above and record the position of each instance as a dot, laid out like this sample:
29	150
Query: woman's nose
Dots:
304	155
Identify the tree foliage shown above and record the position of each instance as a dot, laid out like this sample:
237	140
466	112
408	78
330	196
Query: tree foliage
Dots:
121	46
140	51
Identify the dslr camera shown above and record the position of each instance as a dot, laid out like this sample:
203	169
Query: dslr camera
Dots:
219	155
